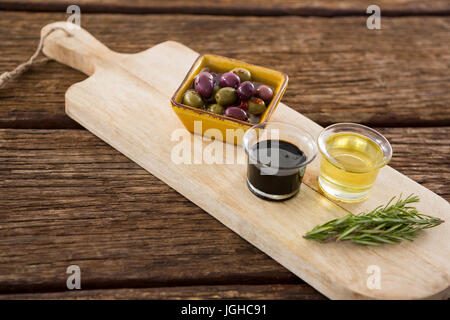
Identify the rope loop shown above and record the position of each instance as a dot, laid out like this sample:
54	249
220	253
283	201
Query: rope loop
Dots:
21	68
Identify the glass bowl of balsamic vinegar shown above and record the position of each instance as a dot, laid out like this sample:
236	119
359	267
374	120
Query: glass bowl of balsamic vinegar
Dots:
277	156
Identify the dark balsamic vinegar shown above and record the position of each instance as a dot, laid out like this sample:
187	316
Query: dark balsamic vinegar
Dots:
276	168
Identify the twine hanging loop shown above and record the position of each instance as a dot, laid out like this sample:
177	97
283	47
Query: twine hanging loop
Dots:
21	68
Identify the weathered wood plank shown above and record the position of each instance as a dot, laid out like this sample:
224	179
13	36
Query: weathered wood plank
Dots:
423	154
339	70
68	198
269	291
239	7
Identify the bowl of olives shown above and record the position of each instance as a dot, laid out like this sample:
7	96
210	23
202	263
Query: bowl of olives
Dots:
227	94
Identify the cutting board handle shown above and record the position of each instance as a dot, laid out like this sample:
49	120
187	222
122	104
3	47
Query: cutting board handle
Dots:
76	48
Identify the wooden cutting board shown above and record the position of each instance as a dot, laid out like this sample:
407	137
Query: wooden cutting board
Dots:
125	102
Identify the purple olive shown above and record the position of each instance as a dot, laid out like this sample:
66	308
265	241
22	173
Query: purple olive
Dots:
229	79
245	90
236	112
264	92
204	84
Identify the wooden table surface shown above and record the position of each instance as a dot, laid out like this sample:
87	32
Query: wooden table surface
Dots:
68	198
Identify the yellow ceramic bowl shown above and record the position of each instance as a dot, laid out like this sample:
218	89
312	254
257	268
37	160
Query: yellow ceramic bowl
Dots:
217	126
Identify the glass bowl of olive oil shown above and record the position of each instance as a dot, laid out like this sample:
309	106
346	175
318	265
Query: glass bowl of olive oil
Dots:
352	155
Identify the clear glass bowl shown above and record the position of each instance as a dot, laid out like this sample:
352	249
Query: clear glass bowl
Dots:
268	175
352	155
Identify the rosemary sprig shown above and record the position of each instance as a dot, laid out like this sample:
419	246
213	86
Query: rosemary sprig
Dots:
391	223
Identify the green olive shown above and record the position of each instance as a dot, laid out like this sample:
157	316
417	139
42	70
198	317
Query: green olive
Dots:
216	108
243	74
256	106
193	99
254	119
212	99
226	96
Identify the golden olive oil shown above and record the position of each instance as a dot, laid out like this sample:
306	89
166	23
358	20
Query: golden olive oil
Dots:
350	166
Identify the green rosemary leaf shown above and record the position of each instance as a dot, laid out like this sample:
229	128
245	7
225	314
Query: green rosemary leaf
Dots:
319	230
365	242
347	231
